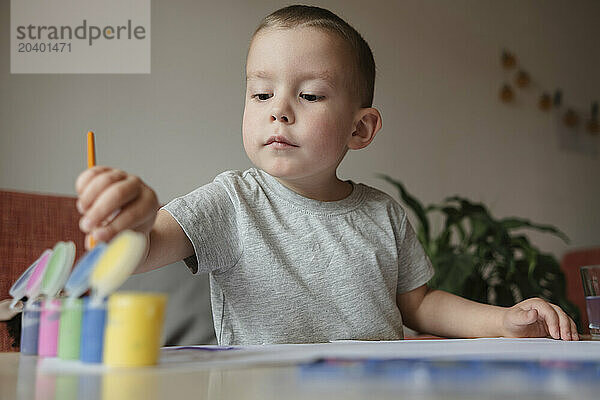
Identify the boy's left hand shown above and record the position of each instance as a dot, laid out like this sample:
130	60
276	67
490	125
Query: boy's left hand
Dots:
537	318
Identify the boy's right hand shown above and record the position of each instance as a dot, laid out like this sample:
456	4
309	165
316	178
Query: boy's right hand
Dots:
104	192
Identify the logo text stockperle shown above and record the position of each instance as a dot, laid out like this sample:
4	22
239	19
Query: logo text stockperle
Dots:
83	31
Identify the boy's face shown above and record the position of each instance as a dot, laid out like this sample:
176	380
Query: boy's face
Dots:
298	91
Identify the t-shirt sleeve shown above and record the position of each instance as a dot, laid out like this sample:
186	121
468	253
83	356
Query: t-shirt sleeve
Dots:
208	217
414	267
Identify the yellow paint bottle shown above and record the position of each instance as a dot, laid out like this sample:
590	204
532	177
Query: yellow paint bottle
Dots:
133	329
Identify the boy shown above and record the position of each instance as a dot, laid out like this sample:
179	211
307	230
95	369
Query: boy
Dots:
295	254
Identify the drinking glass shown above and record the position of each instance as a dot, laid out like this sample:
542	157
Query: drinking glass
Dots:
590	276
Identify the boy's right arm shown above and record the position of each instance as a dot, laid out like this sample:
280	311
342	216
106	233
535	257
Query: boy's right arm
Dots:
112	200
167	243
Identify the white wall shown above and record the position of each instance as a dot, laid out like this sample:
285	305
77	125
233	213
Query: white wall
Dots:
445	131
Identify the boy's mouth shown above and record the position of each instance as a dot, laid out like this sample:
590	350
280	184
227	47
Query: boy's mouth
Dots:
279	142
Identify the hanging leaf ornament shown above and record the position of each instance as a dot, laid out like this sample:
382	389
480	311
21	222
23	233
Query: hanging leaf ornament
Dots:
508	60
571	119
522	80
506	93
545	102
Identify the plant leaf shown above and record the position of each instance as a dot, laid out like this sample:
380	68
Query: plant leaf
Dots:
452	271
516	223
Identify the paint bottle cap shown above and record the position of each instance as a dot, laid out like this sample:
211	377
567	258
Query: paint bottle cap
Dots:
18	289
121	256
79	281
34	284
58	268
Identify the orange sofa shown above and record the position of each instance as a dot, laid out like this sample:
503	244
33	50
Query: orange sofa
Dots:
30	223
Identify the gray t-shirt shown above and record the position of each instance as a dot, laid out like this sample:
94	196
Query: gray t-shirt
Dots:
288	269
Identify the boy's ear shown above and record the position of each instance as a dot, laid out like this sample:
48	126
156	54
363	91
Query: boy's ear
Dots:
366	125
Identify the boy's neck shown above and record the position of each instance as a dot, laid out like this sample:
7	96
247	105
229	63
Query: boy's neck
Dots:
332	189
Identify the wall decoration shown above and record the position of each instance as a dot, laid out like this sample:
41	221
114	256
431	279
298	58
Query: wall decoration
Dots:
545	102
508	59
570	116
506	93
522	80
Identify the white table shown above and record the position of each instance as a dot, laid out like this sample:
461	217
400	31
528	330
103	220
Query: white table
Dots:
273	372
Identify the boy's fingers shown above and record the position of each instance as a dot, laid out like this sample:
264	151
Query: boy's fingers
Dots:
100	179
138	214
574	333
86	176
551	318
565	323
112	198
127	219
98	184
87	241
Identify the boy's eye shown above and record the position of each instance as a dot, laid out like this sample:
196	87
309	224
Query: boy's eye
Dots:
310	97
262	96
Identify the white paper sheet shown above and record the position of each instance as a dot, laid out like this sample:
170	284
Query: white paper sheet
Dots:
453	349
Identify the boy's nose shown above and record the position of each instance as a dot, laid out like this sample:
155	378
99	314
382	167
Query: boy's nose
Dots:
283	115
280	118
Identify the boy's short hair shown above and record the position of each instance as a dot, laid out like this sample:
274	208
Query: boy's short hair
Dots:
310	16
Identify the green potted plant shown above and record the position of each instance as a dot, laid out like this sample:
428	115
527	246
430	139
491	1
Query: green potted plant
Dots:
485	259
